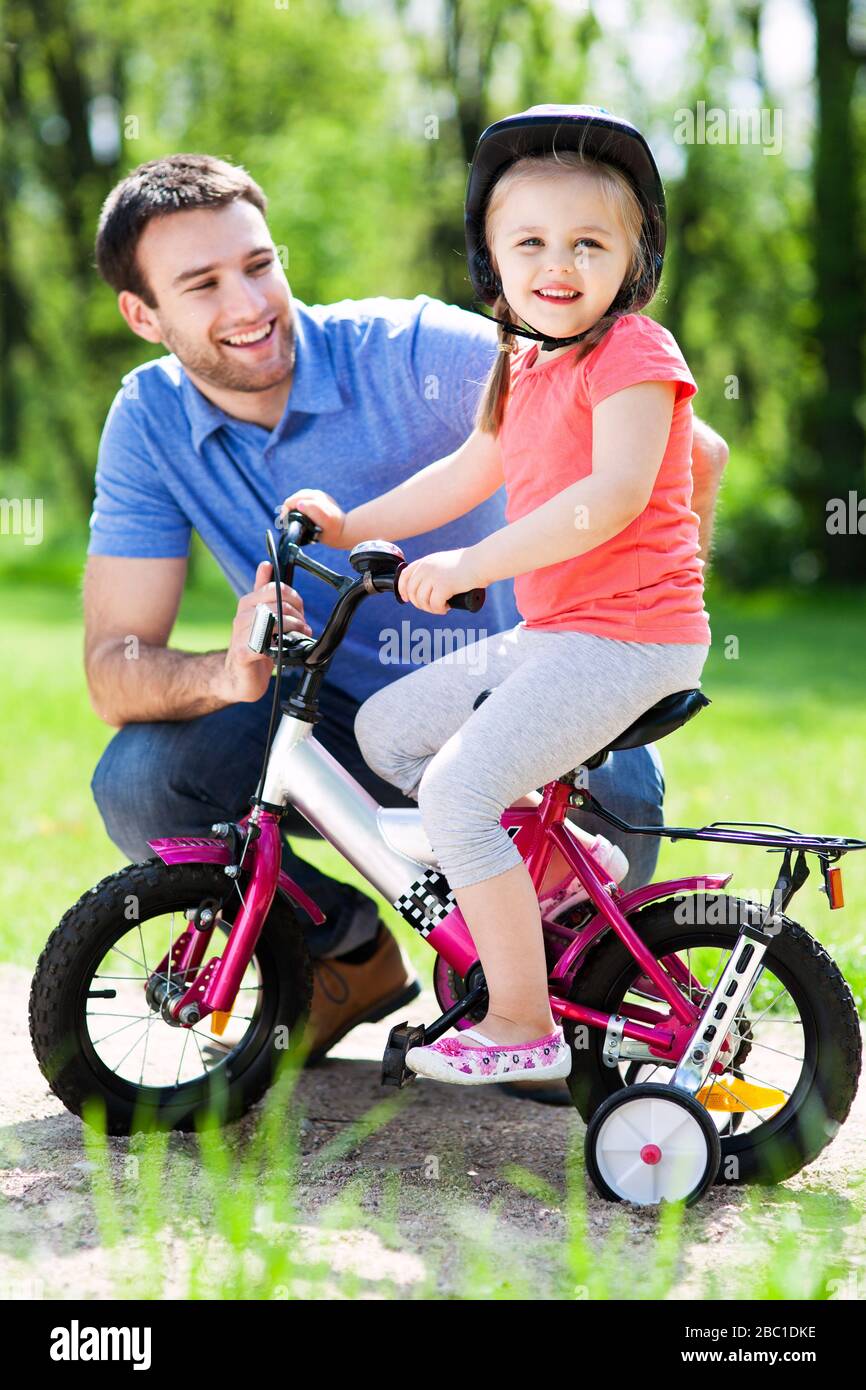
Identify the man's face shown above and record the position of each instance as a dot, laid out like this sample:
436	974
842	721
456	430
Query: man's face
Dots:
223	304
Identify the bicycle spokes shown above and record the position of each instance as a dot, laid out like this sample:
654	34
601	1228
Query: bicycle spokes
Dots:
127	1028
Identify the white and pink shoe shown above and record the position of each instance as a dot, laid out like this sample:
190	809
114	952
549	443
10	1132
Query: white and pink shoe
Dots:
568	892
473	1060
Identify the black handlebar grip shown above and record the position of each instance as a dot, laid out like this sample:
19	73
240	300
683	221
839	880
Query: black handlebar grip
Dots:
285	556
471	601
300	528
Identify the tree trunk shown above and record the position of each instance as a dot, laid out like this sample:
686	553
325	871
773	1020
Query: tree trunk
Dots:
834	429
13	307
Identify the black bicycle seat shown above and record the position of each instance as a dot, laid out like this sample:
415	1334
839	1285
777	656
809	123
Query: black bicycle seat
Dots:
661	719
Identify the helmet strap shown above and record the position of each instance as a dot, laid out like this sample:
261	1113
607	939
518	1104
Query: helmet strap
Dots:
547	344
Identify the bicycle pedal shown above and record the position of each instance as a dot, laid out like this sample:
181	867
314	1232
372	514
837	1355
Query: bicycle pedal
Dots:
401	1037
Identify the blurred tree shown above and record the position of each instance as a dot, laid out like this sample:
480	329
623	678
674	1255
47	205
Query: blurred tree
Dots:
834	415
88	91
737	296
14	319
51	82
359	120
459	49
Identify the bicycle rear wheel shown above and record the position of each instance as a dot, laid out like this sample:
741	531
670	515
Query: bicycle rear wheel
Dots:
795	1060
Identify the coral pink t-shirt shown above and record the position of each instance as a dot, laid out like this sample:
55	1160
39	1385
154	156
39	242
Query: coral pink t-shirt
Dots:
646	583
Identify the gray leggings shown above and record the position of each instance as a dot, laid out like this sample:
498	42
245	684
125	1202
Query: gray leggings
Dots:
558	697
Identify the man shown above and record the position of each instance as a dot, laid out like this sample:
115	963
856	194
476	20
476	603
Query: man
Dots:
262	395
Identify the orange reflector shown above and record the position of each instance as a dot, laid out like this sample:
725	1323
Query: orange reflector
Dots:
218	1022
732	1093
834	887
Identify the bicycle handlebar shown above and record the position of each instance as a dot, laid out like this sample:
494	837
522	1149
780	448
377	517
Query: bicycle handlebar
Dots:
379	564
301	530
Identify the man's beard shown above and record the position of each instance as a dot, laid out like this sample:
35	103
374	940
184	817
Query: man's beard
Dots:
211	365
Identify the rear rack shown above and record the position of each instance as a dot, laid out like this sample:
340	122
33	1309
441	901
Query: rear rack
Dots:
830	847
794	868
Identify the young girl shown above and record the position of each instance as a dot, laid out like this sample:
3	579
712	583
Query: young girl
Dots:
589	429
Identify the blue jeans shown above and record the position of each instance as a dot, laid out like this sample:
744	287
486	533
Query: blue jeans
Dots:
176	777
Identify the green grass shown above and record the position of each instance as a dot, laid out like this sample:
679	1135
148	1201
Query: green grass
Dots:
243	1229
785	740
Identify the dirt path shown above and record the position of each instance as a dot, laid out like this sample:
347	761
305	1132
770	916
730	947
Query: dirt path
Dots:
449	1148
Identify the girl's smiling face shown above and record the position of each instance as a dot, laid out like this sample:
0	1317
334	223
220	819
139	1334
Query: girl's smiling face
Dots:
560	250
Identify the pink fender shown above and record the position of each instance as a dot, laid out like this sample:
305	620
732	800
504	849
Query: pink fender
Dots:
652	891
203	849
627	904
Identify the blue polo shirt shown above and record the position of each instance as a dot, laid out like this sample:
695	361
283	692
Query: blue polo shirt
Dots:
381	388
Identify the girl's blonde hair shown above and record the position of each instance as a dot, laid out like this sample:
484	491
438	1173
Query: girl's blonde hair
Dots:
637	289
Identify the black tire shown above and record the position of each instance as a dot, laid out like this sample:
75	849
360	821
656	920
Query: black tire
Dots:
797	1133
651	1090
65	970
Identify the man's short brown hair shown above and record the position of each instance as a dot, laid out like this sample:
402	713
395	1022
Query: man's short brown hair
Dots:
156	189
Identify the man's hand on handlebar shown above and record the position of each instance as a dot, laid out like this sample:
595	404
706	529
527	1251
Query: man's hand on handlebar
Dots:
247	674
428	583
320	508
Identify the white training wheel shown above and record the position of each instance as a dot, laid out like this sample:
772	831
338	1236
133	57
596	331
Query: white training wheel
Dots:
651	1143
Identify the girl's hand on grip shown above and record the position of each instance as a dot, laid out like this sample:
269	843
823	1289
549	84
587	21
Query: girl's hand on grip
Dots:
320	508
428	583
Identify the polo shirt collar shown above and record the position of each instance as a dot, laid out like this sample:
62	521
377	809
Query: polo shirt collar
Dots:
314	386
204	417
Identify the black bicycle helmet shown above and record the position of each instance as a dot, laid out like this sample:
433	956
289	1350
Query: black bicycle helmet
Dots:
542	130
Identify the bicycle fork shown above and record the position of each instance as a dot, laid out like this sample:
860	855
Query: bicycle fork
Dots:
387	845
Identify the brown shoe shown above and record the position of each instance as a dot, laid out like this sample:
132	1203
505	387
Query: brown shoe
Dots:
345	995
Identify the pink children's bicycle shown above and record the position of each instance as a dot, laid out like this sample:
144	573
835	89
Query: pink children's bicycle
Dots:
714	1040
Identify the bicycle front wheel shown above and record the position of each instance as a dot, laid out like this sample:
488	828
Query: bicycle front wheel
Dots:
99	1036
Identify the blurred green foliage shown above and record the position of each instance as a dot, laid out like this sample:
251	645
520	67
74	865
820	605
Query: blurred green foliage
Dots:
358	119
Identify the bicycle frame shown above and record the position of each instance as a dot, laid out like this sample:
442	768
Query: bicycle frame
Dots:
389	847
